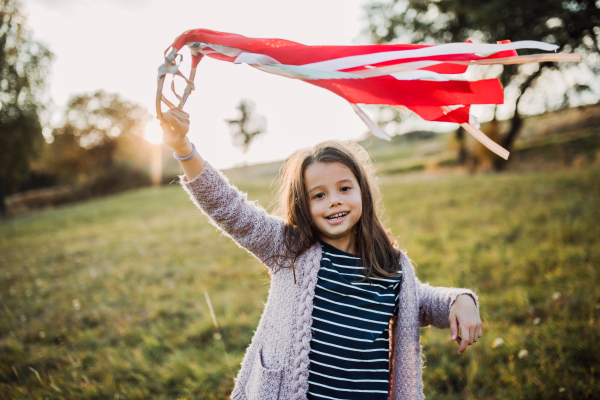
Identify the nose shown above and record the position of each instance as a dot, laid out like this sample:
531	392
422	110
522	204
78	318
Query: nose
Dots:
335	202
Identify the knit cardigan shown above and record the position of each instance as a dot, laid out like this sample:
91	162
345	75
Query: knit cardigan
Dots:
276	362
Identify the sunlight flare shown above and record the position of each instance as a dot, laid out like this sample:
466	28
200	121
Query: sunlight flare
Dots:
153	132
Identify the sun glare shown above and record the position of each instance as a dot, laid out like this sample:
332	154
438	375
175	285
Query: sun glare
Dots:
153	132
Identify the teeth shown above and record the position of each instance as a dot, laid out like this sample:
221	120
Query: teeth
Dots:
336	216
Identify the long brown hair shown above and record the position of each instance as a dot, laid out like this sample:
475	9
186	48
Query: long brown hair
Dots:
371	242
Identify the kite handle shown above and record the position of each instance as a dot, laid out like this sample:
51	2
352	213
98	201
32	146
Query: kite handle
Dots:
171	67
159	96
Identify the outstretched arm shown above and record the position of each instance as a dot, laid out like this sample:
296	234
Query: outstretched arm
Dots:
250	226
465	315
444	307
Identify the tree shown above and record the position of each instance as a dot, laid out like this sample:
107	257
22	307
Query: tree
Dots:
24	65
249	125
573	25
96	126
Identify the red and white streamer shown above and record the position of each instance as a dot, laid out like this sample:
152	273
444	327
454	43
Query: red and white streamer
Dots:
421	78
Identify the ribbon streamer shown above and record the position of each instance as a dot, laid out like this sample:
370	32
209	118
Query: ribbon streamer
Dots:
424	79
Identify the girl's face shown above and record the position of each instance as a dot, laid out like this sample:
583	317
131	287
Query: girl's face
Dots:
335	202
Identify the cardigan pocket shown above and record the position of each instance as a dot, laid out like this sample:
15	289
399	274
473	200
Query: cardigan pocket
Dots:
263	383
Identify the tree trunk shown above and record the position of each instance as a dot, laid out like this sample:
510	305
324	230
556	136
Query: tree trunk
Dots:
515	127
2	202
462	150
516	121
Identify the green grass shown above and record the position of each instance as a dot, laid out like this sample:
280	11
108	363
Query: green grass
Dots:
105	298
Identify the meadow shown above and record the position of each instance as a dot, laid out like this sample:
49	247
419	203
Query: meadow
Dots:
107	298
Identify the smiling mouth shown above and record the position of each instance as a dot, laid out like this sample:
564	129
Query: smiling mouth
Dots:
337	216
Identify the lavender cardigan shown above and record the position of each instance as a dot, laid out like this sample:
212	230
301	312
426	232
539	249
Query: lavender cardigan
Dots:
275	365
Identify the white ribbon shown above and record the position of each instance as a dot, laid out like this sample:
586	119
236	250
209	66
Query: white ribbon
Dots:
477	134
167	69
391	69
486	141
474	121
426	76
271	65
298	72
373	127
254	59
442	49
216	48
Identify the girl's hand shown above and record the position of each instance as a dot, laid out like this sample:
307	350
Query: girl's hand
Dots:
174	136
464	313
174	133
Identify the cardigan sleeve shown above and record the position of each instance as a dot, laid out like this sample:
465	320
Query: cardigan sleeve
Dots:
435	303
227	208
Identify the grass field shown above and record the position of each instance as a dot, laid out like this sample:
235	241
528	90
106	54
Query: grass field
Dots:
106	298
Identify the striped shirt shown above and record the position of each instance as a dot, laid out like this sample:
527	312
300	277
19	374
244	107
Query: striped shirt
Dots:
349	356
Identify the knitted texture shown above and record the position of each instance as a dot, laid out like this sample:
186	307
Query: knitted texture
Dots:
275	365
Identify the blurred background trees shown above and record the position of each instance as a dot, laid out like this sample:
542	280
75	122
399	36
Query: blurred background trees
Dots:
248	126
101	138
573	25
24	65
98	149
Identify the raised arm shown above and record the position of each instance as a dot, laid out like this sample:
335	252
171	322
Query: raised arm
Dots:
175	136
249	225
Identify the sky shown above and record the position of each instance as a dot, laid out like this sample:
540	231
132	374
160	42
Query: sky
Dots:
117	46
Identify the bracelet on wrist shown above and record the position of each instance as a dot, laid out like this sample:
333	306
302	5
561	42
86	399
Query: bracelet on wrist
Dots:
188	157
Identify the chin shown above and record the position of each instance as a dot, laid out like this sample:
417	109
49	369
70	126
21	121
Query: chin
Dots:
335	234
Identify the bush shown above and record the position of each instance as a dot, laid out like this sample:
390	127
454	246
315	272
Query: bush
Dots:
118	178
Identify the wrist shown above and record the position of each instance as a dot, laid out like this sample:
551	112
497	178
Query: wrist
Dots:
183	149
462	296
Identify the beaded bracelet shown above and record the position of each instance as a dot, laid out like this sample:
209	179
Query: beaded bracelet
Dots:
188	157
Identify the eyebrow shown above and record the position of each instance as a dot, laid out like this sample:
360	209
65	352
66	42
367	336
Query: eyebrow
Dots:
340	181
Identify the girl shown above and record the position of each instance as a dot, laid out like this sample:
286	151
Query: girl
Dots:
344	308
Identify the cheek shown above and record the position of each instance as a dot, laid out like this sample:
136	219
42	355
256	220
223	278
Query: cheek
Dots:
358	214
357	205
315	209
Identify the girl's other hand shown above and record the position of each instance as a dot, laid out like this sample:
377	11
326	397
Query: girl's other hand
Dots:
174	133
464	314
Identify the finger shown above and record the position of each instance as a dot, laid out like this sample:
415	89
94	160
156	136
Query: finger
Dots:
170	118
180	111
480	330
175	121
179	114
466	336
180	121
472	336
463	345
165	127
453	327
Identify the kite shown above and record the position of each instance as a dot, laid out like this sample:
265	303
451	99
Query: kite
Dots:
424	79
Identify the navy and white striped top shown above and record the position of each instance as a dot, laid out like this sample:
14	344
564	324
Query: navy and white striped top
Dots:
349	349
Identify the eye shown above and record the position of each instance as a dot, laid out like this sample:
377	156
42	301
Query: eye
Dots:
345	188
318	196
